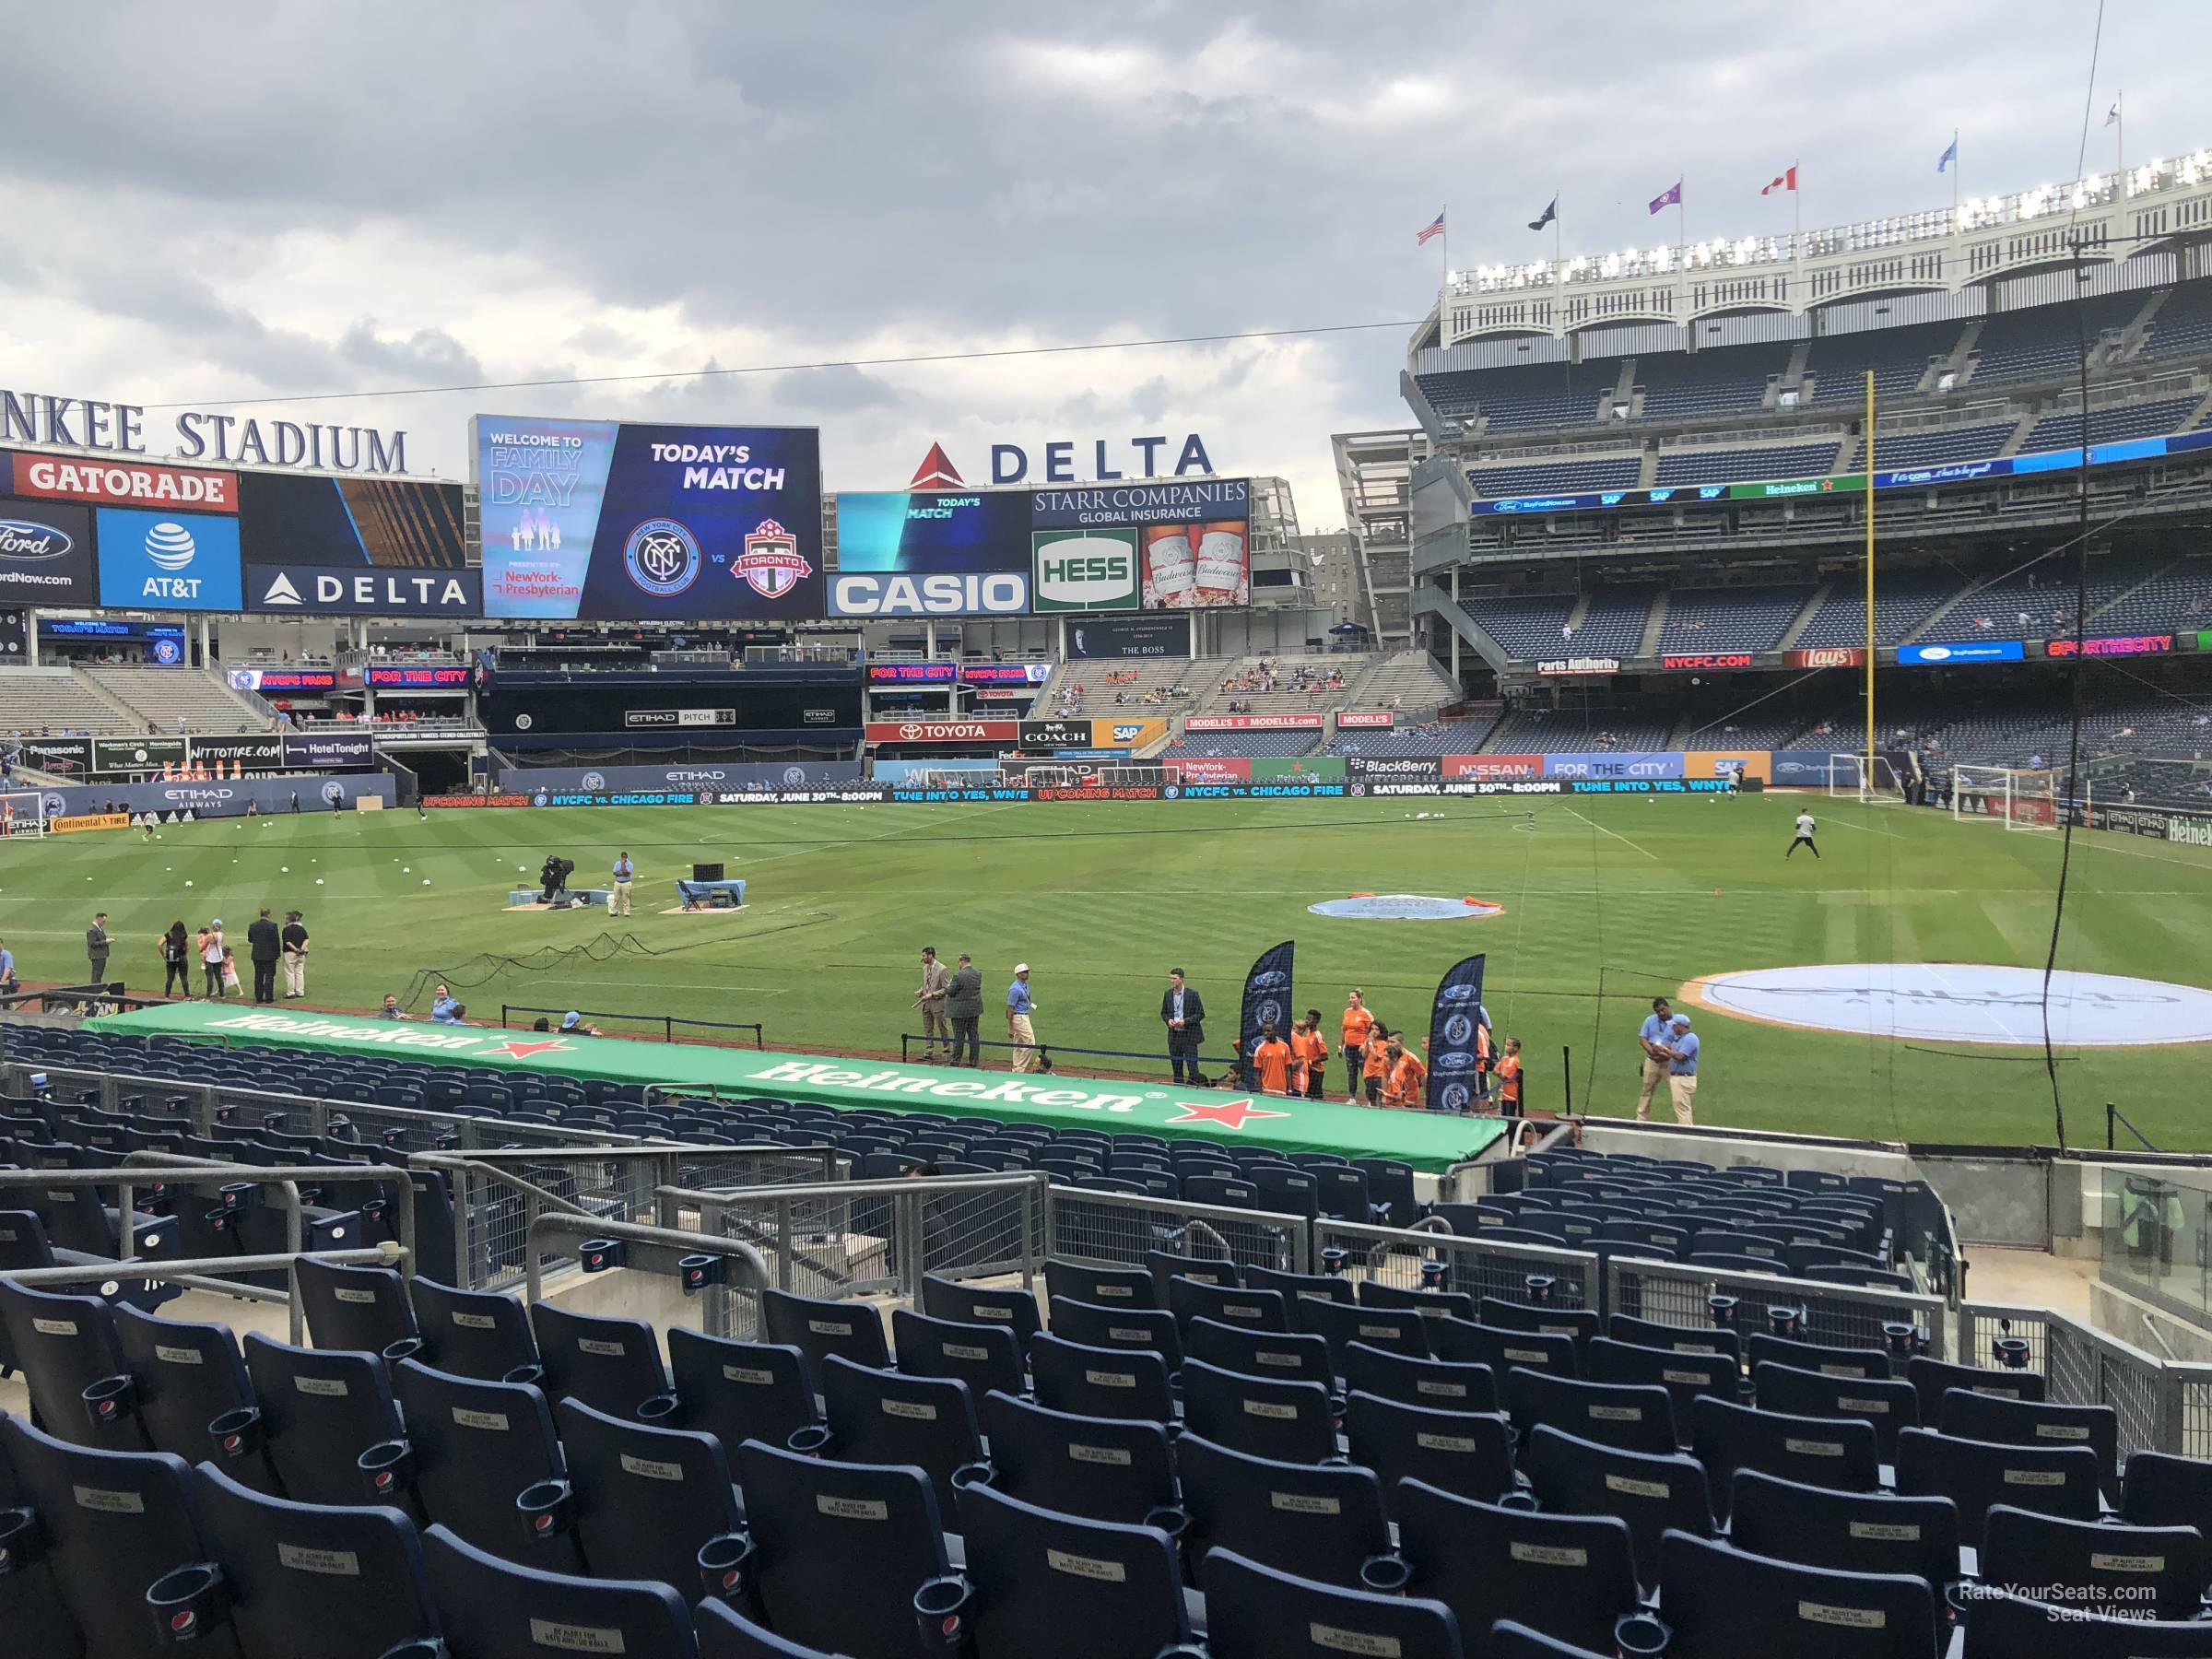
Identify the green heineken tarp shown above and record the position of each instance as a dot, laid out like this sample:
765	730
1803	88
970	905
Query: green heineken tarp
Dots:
1427	1141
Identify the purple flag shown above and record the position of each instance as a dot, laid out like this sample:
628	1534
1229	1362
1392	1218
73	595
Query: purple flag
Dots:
1670	198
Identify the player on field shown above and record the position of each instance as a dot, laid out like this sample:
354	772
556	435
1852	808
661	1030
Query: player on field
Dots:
1804	836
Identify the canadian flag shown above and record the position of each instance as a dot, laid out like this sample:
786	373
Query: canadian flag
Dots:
1787	180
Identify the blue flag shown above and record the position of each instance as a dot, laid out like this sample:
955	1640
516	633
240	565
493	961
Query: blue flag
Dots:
1266	997
1455	1038
1948	156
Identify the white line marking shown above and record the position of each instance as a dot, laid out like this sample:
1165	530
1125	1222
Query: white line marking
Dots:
1616	835
1945	980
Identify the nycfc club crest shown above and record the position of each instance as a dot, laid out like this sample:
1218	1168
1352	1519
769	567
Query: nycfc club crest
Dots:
662	557
772	564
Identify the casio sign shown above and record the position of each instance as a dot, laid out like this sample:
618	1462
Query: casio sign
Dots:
1003	593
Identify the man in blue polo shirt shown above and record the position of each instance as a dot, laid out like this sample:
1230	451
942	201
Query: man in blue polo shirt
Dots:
1651	1036
1682	1068
1018	1030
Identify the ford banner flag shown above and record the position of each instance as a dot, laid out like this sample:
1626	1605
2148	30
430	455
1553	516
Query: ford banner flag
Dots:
1458	1037
1267	998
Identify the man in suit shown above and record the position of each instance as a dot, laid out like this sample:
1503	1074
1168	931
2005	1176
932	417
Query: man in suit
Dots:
265	945
96	948
963	1007
1182	1011
930	998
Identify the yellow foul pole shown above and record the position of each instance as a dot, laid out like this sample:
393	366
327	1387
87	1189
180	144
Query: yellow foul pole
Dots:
1867	776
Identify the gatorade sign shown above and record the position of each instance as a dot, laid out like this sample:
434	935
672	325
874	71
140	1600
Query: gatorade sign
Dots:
1084	570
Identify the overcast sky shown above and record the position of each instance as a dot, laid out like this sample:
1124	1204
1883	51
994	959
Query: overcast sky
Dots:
267	201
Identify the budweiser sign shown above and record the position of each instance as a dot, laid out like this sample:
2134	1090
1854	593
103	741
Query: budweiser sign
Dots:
1350	718
1252	723
1824	656
944	730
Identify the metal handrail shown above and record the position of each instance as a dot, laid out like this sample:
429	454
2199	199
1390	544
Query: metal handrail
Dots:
202	1273
888	1188
583	1228
454	1164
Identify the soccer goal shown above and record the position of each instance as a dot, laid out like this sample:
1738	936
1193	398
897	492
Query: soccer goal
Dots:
22	812
1857	778
2021	798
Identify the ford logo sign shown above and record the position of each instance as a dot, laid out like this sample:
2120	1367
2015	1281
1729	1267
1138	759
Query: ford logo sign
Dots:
1453	1060
1270	980
22	539
1457	993
1935	653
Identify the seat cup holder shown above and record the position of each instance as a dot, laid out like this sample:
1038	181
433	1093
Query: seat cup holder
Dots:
22	1540
2011	1352
389	1466
1520	1503
941	1615
657	1408
108	1400
531	1374
548	1508
725	1565
1385	1575
813	1441
237	1433
1640	1636
407	1347
187	1602
977	1473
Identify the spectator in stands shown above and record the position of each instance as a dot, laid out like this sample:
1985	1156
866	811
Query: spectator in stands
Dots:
176	960
391	1008
574	1024
1358	1025
930	997
96	948
1019	1031
1682	1068
211	956
1182	1011
264	946
964	1008
294	941
443	1006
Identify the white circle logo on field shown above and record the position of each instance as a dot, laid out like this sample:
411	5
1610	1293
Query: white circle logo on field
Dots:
1406	907
1964	1002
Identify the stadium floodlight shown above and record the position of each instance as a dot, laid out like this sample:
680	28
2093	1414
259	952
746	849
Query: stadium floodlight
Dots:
2019	797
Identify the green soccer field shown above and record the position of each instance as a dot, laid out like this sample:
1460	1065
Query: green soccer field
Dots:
1607	902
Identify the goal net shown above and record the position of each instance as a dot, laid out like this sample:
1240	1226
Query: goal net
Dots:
1857	778
22	812
2022	799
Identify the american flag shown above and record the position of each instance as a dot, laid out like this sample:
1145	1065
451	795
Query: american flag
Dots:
1435	229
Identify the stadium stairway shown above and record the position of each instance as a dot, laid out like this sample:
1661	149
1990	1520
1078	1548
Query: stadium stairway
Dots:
1803	618
158	697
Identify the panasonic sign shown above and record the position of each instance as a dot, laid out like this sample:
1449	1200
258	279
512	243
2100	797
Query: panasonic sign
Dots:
899	593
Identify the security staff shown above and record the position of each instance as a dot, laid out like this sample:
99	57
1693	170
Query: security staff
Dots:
1182	1011
1651	1036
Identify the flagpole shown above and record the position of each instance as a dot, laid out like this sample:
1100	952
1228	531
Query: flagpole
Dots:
1444	241
1555	231
1681	216
1954	178
2119	140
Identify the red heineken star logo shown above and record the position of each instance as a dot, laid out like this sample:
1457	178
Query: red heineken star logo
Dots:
516	1049
1230	1114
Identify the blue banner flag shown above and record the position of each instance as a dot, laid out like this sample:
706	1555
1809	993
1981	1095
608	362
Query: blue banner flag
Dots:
1266	997
1458	1037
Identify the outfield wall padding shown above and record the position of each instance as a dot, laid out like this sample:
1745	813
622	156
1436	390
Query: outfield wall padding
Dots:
1429	1141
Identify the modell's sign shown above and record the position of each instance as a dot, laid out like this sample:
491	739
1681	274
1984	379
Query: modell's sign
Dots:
1824	656
1351	718
944	730
1580	665
1252	723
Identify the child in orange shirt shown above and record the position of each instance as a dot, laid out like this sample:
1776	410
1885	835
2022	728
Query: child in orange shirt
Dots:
1316	1052
1271	1059
1509	1077
1402	1085
1374	1065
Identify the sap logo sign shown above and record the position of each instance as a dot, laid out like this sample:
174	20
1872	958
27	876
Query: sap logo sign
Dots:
1127	732
1002	593
1010	462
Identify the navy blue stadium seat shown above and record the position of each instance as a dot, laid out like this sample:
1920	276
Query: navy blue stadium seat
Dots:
1083	1589
1284	1419
1503	1350
73	1364
982	1356
187	1376
2038	1423
1542	1318
317	1411
1102	1468
1848	1532
644	1500
2154	1572
1103	1287
813	1522
819	1329
481	1333
1393	1330
1153	1330
472	1450
2003	1625
364	1309
1190	1299
1687	1377
1576	1477
1890	1406
1761	1348
1975	1475
1467	1452
739	1391
1569	1576
491	1608
887	1417
1254	1611
107	1525
1434	1304
612	1364
1820	1452
1727	1603
1014	1306
1105	1382
1438	1384
301	1577
1632	1417
1286	1356
2160	1488
1933	1378
1328	1286
726	1633
1321	1522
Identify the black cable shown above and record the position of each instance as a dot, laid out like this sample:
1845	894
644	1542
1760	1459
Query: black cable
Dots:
604	948
2081	598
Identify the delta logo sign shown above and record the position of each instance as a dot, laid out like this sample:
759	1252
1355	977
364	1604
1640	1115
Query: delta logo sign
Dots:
1010	462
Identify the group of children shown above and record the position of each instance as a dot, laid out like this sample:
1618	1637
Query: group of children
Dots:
1380	1064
